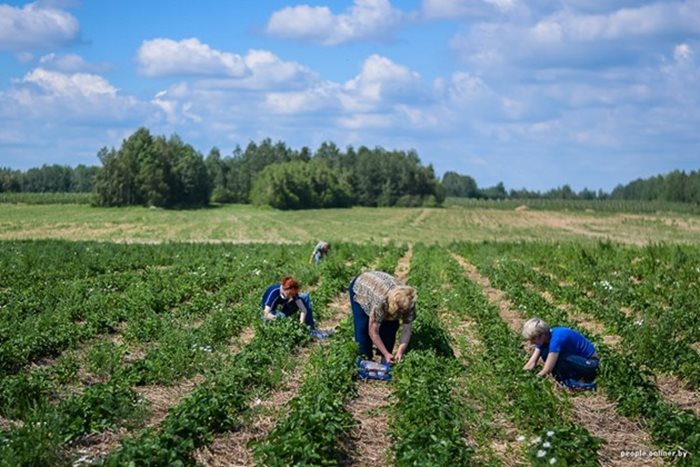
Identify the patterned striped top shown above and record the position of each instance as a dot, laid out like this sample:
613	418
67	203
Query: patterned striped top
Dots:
371	291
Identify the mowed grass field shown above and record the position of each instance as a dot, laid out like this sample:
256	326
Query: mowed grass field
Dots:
243	224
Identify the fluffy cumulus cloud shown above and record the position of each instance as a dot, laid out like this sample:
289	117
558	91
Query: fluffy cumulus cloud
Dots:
35	27
268	71
49	115
282	96
168	57
366	19
381	81
383	92
44	95
568	37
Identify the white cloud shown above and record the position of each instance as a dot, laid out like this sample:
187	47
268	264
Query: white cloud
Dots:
450	9
648	20
45	95
567	38
380	80
35	27
364	121
320	97
683	53
366	19
268	71
163	57
61	84
69	63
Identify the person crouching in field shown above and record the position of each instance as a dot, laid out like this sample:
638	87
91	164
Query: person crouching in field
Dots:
283	300
566	353
379	301
320	251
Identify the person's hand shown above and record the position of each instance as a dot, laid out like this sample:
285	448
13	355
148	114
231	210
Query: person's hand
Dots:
389	358
398	356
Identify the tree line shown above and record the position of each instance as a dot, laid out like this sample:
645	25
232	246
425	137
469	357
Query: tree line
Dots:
284	178
166	172
49	179
157	171
676	186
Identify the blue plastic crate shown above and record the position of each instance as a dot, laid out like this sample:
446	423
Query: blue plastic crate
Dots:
368	369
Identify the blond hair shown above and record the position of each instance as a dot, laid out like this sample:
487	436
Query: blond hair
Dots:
534	328
401	300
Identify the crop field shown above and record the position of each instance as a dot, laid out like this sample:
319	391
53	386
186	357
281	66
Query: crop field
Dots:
140	352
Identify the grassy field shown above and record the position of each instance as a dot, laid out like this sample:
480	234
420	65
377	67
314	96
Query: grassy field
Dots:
242	223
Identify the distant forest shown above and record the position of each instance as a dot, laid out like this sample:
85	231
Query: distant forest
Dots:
166	172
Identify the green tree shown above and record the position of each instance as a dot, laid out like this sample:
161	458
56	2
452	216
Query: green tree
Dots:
301	185
153	172
460	186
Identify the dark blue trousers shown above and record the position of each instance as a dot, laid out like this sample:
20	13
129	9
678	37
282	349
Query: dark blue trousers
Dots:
575	367
360	320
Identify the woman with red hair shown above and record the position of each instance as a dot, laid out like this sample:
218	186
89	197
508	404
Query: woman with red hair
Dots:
283	300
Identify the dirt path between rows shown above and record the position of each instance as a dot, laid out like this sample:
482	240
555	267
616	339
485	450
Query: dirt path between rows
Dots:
504	447
161	399
371	438
234	448
592	410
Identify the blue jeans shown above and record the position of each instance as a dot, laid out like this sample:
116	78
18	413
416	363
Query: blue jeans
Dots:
290	308
360	321
576	367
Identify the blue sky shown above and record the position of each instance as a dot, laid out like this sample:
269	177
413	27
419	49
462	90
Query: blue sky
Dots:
536	94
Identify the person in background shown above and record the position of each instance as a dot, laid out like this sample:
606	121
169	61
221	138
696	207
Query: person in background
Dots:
283	300
566	353
320	251
379	302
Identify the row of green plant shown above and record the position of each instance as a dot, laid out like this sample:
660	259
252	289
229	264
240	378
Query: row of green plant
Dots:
96	290
177	353
256	369
178	350
645	295
532	403
659	283
99	288
174	350
313	431
623	378
215	405
468	380
316	430
318	425
427	419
